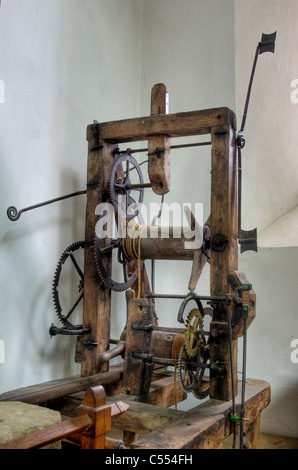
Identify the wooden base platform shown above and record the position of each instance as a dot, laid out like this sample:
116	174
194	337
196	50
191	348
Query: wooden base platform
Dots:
149	423
204	427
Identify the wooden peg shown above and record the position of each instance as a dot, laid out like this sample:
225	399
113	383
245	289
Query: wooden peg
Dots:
95	407
159	145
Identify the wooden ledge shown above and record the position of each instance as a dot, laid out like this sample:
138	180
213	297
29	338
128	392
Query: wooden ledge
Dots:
46	391
207	425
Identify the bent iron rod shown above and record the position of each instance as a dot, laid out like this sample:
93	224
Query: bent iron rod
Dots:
13	214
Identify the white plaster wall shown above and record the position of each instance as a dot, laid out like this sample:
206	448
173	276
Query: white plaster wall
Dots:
270	154
270	173
271	356
191	50
64	63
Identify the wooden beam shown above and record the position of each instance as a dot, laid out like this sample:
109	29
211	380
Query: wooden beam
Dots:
137	372
40	393
159	165
171	125
142	418
97	299
223	259
207	425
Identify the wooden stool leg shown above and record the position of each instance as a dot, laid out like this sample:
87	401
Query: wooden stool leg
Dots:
94	405
252	433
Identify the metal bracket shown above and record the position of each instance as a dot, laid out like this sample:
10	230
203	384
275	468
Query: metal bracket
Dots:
248	240
54	330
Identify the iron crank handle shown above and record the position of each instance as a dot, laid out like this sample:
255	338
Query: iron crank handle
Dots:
13	214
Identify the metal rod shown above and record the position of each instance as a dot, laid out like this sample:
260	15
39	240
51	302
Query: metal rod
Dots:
239	190
198	144
168	330
166	361
137	186
173	147
228	299
245	314
176	330
165	329
175	296
155	218
266	44
13	214
74	306
151	327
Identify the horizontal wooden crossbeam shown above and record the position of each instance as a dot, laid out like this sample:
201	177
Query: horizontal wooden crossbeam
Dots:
40	393
172	125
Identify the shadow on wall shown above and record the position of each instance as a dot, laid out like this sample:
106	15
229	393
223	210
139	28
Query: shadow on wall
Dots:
274	417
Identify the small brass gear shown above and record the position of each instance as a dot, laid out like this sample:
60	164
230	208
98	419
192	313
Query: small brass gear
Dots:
193	338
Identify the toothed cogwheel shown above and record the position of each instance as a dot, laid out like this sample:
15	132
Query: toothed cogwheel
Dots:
121	193
68	254
185	373
193	338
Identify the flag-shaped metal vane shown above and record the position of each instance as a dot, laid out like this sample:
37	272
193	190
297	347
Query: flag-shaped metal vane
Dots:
248	238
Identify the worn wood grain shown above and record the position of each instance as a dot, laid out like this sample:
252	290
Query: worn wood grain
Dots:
142	418
54	389
159	164
95	407
134	369
97	299
207	425
171	125
224	257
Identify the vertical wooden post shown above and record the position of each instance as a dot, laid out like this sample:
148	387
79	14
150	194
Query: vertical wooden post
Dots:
159	145
137	341
94	405
224	257
97	299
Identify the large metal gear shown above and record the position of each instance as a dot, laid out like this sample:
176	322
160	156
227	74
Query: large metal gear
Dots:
68	254
126	191
185	372
127	209
194	356
191	371
102	253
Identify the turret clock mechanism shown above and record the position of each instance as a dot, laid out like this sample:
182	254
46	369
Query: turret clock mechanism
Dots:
118	242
